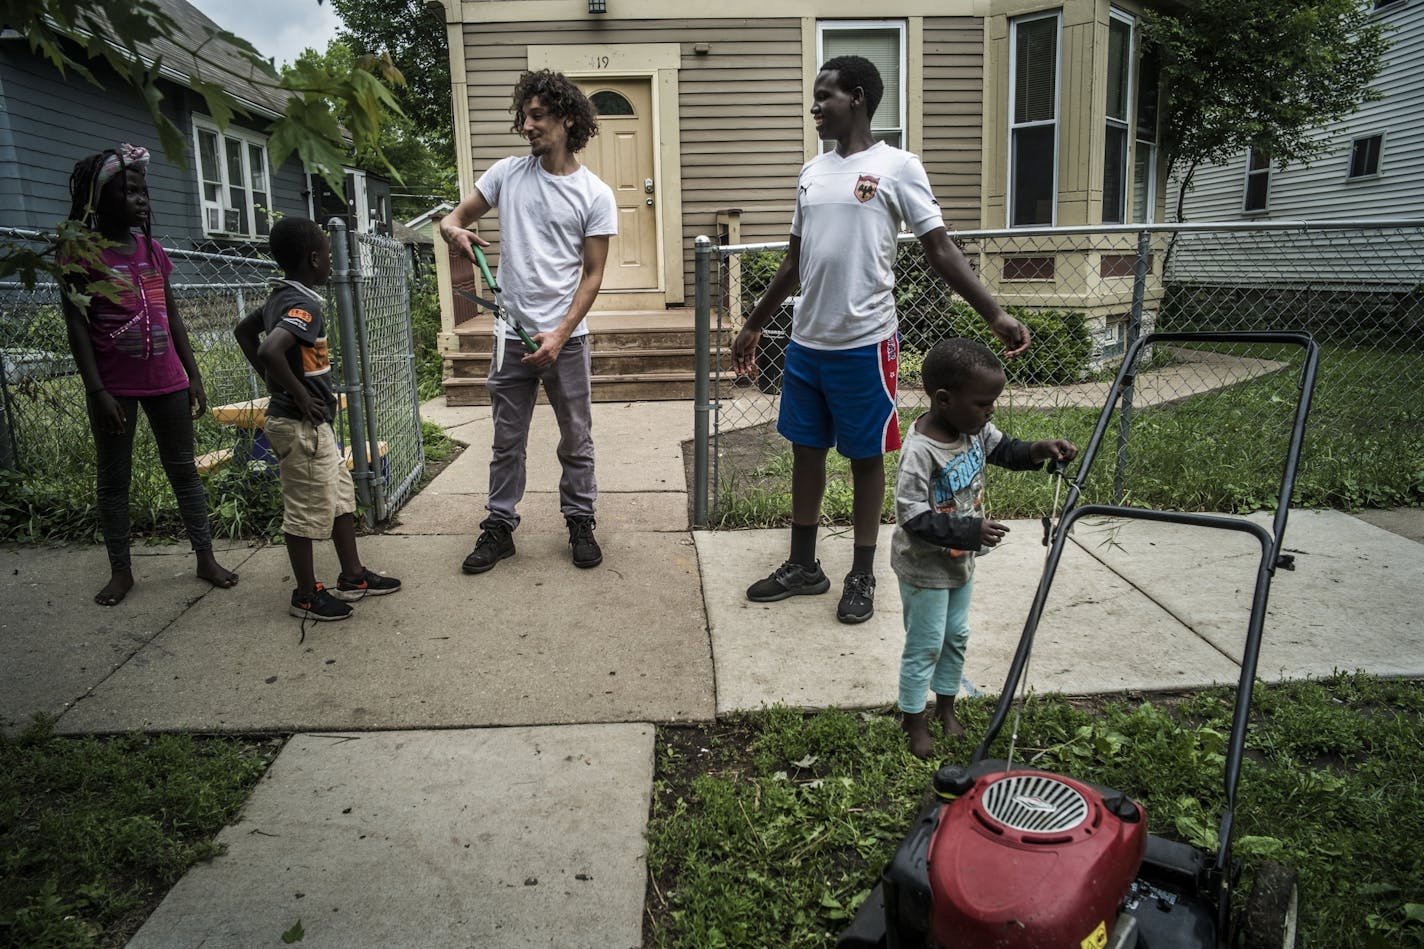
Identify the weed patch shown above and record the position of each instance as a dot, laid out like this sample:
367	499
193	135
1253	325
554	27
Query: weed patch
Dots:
93	832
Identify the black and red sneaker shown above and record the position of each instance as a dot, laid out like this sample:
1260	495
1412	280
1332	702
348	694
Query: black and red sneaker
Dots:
369	583
320	606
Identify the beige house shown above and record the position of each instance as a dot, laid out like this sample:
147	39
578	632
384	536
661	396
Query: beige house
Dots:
1025	113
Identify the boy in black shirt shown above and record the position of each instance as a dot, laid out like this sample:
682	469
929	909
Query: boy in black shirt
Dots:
318	495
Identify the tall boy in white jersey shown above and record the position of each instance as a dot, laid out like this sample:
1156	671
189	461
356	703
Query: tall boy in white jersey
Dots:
838	385
556	218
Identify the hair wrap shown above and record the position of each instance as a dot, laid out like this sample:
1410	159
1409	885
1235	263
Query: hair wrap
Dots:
125	156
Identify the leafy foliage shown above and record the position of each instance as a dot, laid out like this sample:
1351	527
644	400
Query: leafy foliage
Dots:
1262	74
73	35
412	35
423	161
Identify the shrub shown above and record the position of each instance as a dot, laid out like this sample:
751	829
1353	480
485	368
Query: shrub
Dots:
1059	354
425	333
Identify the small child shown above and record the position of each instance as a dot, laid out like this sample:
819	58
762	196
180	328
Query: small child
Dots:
133	352
318	495
940	522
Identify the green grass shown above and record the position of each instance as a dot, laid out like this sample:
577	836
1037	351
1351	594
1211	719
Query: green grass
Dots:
771	828
93	832
1364	447
244	499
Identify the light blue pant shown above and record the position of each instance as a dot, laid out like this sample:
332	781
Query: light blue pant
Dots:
936	632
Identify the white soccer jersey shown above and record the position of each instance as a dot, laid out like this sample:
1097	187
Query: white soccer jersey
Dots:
848	213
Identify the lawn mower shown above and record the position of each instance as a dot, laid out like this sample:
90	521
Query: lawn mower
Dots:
1011	857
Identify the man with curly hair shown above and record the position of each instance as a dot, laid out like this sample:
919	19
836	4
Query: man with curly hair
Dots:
556	218
838	385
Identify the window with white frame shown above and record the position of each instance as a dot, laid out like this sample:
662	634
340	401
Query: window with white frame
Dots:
1145	153
233	181
1365	156
1258	179
1033	120
1115	139
883	43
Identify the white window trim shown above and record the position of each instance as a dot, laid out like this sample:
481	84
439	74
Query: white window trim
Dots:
1379	162
1153	143
1246	184
247	138
842	26
1057	112
1127	124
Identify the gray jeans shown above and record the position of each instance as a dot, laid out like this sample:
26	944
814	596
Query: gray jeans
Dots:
513	391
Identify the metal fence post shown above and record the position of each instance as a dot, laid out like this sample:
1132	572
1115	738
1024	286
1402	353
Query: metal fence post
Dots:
371	456
1134	330
702	407
345	293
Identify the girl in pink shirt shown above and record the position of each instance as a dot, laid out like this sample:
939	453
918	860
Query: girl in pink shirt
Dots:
133	352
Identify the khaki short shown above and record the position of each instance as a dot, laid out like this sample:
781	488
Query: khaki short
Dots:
316	487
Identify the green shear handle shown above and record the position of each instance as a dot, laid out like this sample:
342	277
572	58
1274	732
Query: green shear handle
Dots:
528	341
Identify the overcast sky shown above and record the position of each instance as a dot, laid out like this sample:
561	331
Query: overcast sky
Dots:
278	28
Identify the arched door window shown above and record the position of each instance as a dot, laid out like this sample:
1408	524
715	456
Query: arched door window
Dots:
608	102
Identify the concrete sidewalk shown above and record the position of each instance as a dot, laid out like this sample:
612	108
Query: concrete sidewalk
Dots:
473	757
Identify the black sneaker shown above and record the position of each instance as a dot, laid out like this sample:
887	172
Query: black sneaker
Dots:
495	543
789	579
586	552
369	583
320	606
857	599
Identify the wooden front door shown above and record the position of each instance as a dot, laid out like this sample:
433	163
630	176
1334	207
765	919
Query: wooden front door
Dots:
622	155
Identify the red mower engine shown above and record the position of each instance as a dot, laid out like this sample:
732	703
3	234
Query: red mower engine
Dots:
1030	860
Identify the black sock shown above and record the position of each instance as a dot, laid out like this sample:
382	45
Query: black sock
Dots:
864	560
803	544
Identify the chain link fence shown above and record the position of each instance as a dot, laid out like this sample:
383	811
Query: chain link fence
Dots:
1205	418
45	442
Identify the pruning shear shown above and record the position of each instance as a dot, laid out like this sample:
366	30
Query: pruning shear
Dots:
497	311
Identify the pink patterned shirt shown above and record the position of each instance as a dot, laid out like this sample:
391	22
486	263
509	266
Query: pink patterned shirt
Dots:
132	343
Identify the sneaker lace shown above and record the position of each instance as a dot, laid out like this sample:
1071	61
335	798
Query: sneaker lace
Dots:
582	532
306	613
786	571
487	538
860	585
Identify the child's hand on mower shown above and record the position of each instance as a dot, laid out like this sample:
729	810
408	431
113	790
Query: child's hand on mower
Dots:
1055	449
991	532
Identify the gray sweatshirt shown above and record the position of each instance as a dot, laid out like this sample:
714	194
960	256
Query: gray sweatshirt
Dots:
939	503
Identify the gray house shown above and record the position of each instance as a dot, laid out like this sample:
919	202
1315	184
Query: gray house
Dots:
1374	165
224	195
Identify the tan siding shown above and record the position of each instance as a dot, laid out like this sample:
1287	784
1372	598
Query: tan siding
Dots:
954	115
740	111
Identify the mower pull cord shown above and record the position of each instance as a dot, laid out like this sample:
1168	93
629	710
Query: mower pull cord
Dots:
1054	471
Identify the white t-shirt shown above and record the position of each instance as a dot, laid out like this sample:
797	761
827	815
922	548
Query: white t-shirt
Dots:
848	213
543	221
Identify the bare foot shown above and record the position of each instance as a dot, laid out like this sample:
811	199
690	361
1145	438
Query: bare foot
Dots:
916	727
949	723
118	587
944	711
213	572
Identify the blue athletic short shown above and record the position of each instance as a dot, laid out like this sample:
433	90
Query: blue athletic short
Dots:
841	397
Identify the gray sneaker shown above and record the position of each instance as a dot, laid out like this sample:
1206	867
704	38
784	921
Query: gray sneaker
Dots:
789	579
857	599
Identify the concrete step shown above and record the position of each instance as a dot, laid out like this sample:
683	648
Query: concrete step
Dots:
637	355
629	362
649	387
